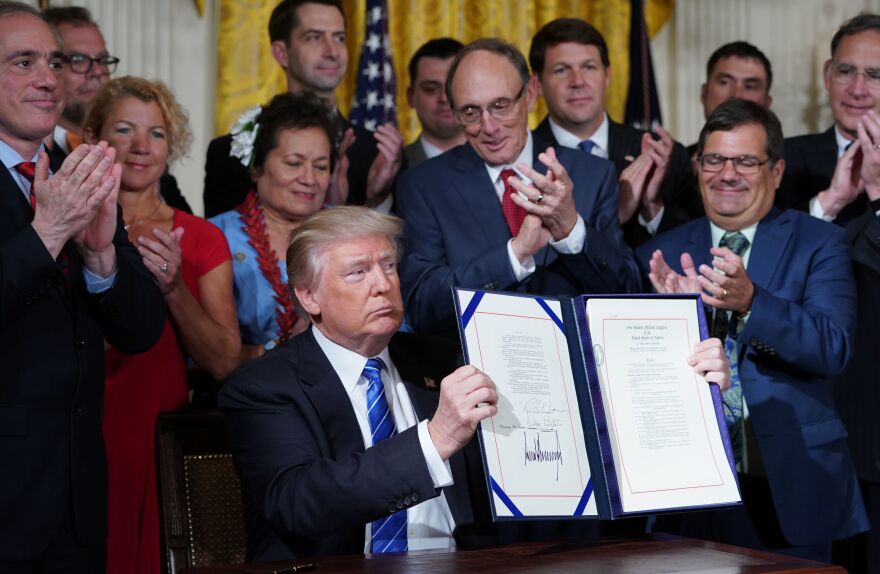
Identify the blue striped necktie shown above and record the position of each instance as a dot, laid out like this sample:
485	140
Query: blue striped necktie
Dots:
388	533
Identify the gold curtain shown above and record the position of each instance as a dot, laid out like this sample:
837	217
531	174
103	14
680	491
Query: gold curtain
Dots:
247	74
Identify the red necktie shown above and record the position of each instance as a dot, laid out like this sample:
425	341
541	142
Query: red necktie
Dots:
513	213
28	169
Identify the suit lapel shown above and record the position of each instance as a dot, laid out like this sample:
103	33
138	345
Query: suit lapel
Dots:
700	242
476	192
772	242
17	207
329	398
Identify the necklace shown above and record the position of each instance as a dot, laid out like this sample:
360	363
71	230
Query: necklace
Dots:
142	220
251	215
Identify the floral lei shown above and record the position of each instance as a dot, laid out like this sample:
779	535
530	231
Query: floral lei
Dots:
251	214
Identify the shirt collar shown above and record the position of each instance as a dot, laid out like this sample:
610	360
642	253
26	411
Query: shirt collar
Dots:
749	232
430	149
568	139
525	156
59	136
347	364
842	141
10	157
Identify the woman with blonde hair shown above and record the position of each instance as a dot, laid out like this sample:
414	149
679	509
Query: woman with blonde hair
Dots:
190	261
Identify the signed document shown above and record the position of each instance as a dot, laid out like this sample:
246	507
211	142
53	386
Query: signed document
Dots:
662	425
599	413
534	447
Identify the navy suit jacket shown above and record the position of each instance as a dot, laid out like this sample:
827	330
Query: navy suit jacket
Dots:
809	166
799	336
52	378
308	483
680	192
456	234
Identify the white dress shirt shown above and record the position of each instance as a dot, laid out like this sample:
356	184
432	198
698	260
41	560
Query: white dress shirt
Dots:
429	523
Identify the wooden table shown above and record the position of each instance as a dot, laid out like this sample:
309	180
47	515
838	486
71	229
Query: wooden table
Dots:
657	553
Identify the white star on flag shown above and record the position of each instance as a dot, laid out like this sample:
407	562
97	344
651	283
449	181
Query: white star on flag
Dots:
374	102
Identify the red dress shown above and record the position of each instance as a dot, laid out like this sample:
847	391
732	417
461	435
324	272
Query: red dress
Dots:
138	388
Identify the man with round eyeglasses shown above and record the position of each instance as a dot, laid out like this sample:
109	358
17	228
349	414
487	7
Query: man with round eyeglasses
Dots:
819	173
506	211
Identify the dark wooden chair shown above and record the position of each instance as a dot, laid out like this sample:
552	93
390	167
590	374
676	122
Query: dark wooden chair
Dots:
199	492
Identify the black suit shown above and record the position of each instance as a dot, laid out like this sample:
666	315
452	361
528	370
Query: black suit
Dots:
809	166
856	392
309	485
52	381
227	181
680	194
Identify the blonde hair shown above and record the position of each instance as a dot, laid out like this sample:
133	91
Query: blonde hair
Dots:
311	240
176	118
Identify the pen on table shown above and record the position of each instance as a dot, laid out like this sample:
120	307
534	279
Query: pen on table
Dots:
298	568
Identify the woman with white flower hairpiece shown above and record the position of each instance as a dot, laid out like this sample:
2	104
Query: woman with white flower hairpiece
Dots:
288	145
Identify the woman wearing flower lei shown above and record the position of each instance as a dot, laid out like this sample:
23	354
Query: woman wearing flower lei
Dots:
288	146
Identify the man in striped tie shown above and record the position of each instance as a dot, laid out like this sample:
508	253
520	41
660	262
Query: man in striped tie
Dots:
341	440
780	292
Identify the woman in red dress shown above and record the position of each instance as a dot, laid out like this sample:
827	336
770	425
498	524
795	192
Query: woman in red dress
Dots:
191	263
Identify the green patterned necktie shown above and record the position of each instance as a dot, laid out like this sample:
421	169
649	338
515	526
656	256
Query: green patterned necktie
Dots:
725	329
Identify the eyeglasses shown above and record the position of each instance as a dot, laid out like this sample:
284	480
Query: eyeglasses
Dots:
743	164
844	74
500	109
82	64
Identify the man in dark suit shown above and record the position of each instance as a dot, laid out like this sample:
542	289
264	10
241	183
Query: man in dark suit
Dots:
781	287
69	280
812	182
308	41
330	431
569	59
88	67
428	69
471	220
735	70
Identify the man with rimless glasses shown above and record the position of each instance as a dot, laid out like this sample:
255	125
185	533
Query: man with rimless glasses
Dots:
506	211
783	300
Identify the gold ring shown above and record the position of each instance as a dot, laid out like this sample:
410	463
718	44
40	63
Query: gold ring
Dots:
723	294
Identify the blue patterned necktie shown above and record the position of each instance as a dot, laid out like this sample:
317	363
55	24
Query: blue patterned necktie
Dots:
389	533
725	329
587	146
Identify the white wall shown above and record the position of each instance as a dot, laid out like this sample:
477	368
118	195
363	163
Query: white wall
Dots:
794	34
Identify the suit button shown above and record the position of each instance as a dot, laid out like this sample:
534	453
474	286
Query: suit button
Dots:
392	509
415	497
602	263
399	505
77	410
81	343
407	501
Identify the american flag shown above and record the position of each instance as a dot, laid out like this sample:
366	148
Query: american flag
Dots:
374	102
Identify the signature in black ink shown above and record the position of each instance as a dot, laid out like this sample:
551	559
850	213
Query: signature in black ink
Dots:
536	454
541	414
